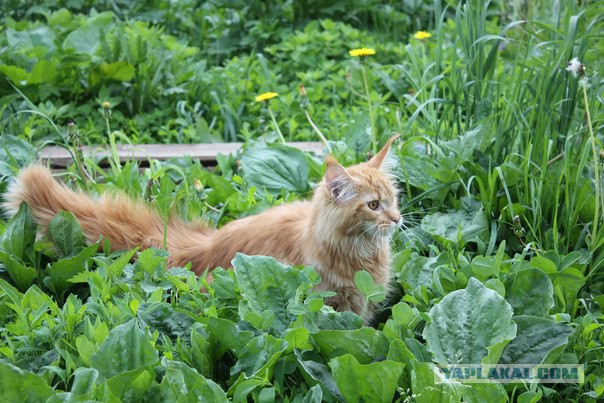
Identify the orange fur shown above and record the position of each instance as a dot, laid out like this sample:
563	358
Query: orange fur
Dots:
336	232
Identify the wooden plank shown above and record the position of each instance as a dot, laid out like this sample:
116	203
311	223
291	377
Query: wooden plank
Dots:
206	153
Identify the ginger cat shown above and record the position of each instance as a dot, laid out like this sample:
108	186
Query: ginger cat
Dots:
346	226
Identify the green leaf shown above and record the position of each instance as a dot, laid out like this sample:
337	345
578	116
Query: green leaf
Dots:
164	318
17	385
126	348
18	76
267	285
84	382
568	281
530	292
536	338
470	223
427	390
485	266
201	358
365	284
485	392
14	153
20	234
44	72
259	354
244	387
366	344
35	37
131	386
375	382
275	168
87	38
226	336
119	71
466	324
60	272
419	272
65	232
319	373
21	275
17	247
530	396
182	383
297	339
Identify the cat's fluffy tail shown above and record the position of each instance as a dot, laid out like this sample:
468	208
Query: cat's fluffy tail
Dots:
125	222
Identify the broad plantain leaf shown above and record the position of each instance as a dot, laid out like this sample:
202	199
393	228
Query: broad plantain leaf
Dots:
84	382
20	234
366	344
164	318
126	348
17	247
466	325
468	224
268	285
60	272
183	384
530	292
259	354
87	38
66	233
131	386
17	385
536	338
225	336
276	167
375	382
14	152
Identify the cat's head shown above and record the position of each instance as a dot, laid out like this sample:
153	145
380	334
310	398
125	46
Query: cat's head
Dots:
362	197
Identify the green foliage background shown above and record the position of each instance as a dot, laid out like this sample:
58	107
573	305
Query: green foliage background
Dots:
501	258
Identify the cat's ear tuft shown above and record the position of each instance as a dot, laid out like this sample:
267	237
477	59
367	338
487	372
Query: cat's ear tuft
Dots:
337	180
378	160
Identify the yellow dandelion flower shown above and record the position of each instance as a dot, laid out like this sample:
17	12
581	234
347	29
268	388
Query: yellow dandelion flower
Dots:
266	96
363	52
421	35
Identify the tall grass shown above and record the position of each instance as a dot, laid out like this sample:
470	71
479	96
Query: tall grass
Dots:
507	79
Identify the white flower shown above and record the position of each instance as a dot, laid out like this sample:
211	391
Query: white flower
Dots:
575	67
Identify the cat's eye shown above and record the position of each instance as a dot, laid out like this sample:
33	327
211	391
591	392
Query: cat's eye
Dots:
373	204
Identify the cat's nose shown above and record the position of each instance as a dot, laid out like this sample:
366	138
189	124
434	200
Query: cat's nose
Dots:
396	219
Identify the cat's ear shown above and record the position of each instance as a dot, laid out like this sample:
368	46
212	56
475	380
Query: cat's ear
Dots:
378	160
337	180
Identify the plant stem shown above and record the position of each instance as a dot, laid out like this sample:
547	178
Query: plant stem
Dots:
115	159
371	120
316	129
270	112
595	157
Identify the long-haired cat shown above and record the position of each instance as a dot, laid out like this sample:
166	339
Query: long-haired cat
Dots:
344	228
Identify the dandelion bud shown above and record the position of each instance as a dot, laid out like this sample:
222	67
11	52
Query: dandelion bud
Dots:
106	105
302	90
304	102
198	186
72	133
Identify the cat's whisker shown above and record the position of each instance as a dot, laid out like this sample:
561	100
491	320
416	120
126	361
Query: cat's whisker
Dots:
360	237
